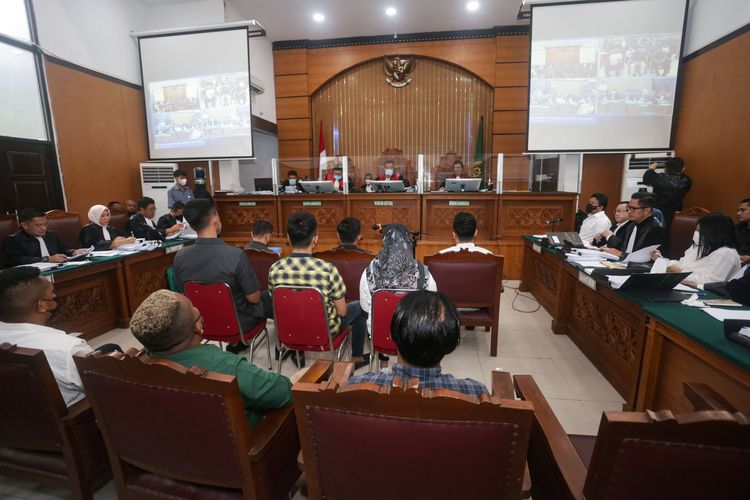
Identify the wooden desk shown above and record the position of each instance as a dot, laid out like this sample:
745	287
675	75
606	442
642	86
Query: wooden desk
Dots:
238	213
644	357
438	210
384	208
328	209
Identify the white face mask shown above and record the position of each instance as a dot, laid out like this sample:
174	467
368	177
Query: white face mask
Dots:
292	182
696	238
182	181
389	172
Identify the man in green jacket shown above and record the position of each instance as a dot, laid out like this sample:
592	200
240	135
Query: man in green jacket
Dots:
169	327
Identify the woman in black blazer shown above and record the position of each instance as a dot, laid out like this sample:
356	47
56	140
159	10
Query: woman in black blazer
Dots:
98	233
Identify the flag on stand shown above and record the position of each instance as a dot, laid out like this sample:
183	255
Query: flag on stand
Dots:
322	152
478	165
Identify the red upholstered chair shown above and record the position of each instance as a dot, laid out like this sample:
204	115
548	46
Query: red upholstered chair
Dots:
384	304
450	445
350	264
8	226
261	262
216	304
302	323
681	230
174	432
66	225
471	280
41	439
118	220
644	455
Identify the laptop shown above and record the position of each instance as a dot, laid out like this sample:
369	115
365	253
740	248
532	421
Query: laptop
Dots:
656	287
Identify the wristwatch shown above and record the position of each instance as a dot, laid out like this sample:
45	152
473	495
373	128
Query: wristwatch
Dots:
45	259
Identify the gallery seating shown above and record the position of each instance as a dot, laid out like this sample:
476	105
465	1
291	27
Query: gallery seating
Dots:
681	230
66	225
350	264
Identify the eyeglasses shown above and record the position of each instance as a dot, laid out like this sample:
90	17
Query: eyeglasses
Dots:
624	210
632	208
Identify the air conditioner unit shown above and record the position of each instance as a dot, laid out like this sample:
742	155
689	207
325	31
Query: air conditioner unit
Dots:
635	165
257	86
156	179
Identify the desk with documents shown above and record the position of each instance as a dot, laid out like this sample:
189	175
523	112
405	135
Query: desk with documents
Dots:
646	350
103	293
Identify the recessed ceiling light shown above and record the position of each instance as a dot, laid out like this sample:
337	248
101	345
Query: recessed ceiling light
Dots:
472	6
319	17
390	11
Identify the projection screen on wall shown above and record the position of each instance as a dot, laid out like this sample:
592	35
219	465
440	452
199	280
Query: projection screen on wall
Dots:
196	88
603	75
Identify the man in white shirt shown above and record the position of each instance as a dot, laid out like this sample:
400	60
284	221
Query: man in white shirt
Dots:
26	303
597	221
464	232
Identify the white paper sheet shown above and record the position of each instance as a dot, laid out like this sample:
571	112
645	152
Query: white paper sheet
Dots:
616	281
660	265
722	314
684	288
589	263
106	253
42	266
642	255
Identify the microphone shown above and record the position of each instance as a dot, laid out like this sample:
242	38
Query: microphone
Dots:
556	220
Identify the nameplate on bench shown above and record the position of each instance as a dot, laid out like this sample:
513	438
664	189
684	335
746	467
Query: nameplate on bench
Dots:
383	203
459	203
537	248
173	249
587	280
312	204
247	203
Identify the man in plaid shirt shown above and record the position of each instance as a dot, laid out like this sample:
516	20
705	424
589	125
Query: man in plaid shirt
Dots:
300	268
425	327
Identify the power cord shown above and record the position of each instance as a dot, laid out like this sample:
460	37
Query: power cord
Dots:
518	293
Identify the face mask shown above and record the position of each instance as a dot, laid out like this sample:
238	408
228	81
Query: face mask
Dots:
696	238
292	182
182	182
337	177
590	208
389	172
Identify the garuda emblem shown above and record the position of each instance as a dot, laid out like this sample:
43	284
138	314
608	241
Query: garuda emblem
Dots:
398	70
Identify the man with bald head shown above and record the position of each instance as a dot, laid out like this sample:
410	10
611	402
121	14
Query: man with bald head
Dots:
131	207
169	327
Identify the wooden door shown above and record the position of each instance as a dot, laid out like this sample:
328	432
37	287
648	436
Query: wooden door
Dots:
28	176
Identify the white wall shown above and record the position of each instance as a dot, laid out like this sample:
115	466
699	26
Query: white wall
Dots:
709	20
96	33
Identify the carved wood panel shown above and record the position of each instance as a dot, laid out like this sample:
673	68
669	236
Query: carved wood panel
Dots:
246	216
531	217
611	328
545	275
78	305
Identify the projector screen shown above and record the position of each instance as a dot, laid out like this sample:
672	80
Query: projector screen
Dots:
603	75
196	88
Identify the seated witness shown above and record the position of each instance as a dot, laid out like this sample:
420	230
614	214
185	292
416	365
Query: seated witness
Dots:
169	327
349	235
742	230
211	260
141	225
98	233
174	216
612	237
645	230
33	243
464	232
394	267
27	302
300	268
597	220
261	236
712	256
425	327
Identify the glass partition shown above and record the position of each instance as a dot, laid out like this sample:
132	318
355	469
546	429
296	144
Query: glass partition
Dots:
443	172
538	173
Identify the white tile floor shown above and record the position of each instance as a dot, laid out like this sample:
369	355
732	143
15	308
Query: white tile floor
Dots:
574	388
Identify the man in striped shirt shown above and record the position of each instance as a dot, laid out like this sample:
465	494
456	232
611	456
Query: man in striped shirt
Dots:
425	327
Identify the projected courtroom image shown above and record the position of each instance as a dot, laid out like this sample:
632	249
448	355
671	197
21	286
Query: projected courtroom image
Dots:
199	111
562	97
639	55
567	59
636	96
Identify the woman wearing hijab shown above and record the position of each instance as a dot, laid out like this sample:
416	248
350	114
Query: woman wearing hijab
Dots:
98	233
394	267
712	256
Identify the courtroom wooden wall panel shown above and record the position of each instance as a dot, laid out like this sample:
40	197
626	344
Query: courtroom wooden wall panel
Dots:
294	149
509	122
292	107
294	128
602	173
290	62
302	167
712	125
511	74
512	48
475	55
100	137
508	143
511	98
291	85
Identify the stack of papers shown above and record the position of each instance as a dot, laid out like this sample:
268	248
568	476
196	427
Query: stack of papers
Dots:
586	255
722	314
106	253
42	266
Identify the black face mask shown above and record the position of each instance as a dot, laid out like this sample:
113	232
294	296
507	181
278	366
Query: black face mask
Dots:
590	208
178	218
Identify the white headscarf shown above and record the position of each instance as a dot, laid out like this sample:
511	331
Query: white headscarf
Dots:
95	215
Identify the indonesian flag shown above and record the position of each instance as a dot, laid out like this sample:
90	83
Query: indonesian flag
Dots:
322	151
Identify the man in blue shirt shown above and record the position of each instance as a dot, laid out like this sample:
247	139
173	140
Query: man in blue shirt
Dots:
180	191
425	327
